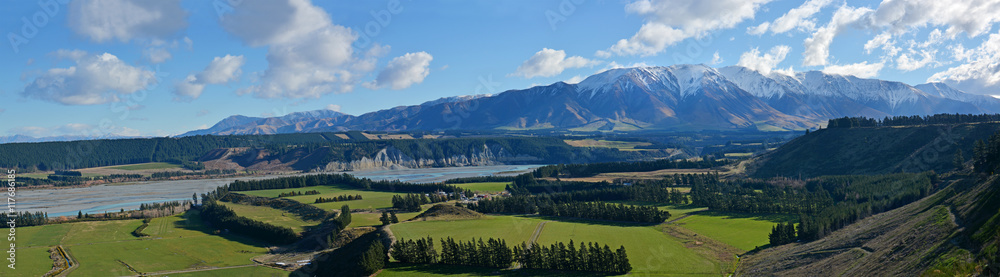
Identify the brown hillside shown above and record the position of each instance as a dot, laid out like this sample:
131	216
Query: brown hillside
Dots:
446	212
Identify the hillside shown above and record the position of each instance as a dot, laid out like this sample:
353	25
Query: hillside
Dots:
953	232
876	150
447	212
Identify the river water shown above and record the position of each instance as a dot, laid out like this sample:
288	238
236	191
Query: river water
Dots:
113	197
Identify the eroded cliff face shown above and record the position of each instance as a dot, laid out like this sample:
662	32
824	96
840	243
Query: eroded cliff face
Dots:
387	158
392	158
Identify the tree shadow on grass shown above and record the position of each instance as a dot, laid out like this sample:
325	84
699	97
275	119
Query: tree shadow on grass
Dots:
776	218
591	221
192	221
440	269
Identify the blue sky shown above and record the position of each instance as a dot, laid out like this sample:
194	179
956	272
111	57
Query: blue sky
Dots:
159	68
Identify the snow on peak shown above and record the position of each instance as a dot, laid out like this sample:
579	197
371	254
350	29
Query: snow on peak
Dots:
685	79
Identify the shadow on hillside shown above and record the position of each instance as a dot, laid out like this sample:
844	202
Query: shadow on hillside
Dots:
192	221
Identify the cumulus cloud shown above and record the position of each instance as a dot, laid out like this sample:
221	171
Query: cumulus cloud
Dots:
861	70
668	22
548	63
973	17
800	18
125	20
220	71
95	79
716	59
403	71
882	41
906	63
308	56
333	107
764	63
979	73
818	46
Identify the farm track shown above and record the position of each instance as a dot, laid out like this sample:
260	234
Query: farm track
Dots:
194	270
683	216
538	231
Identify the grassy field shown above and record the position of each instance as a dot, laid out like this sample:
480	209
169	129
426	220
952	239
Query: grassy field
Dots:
178	242
254	271
272	216
513	229
30	262
144	166
371	219
650	251
620	145
743	231
484	187
370	199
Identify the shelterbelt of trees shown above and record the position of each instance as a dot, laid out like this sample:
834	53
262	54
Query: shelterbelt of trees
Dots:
914	120
106	152
342	180
495	253
591	169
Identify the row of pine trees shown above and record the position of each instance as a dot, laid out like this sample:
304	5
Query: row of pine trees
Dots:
497	254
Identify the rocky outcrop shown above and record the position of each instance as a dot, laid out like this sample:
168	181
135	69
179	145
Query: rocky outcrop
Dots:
392	158
387	158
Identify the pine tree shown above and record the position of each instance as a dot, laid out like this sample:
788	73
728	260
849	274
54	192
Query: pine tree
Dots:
392	217
959	160
373	259
384	218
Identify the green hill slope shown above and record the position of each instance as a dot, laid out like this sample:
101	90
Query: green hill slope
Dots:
953	233
874	150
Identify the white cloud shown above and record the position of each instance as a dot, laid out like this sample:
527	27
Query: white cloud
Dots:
31	131
95	79
403	71
308	56
548	63
979	73
759	29
220	71
75	129
716	59
973	17
671	21
798	18
905	63
575	79
333	107
882	41
861	70
125	20
818	46
764	63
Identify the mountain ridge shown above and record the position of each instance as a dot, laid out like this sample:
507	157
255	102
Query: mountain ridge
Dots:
678	97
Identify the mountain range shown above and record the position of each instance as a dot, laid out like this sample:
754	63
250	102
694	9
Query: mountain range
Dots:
679	97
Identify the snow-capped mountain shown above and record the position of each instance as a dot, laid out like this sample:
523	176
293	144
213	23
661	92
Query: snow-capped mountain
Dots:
679	97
